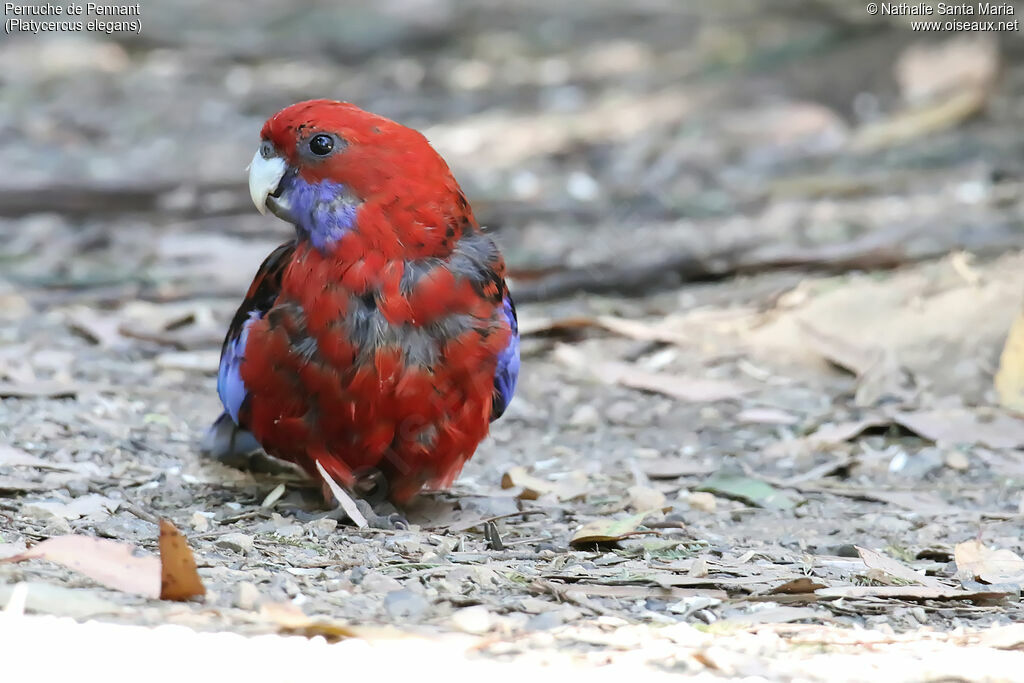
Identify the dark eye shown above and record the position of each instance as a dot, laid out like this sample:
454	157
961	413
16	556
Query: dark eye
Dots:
321	145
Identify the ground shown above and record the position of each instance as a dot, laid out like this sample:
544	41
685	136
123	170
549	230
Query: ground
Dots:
767	263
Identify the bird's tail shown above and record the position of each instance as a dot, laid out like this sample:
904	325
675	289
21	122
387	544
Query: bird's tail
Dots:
228	443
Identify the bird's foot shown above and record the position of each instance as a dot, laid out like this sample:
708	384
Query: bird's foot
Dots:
388	517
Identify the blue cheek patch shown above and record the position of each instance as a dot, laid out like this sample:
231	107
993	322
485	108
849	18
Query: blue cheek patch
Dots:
507	372
230	386
323	211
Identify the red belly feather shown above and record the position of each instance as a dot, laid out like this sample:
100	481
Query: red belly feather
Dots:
354	408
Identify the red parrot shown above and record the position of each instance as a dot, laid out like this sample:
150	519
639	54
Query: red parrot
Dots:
382	340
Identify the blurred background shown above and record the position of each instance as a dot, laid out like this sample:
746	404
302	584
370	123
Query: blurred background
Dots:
586	134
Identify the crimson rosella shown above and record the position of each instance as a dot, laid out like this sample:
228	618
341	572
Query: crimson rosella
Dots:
382	340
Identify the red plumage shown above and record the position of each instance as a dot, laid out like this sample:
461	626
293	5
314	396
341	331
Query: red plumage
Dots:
383	338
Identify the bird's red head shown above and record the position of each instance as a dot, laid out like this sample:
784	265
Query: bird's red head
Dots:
325	139
322	154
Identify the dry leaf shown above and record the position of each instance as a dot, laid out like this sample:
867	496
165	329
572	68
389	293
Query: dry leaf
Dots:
976	561
882	563
9	455
773	615
110	563
879	374
685	388
538	326
343	499
753	491
179	579
568	488
854	358
909	593
671	468
965	426
643	331
290	618
1010	377
608	530
804	584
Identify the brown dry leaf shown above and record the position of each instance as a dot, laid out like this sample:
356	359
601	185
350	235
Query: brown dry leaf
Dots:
965	426
110	563
643	331
853	358
537	326
887	565
693	389
179	579
1010	377
804	584
825	436
289	618
844	431
879	374
909	593
568	488
609	530
976	561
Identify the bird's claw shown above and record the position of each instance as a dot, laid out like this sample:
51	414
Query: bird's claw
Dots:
388	520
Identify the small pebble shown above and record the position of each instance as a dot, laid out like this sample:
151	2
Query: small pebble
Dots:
476	619
322	528
240	543
248	596
585	415
703	501
957	460
199	522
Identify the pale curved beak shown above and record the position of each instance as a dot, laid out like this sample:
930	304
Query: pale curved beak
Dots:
264	179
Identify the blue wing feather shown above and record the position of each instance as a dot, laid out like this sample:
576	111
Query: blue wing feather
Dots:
258	300
228	440
507	373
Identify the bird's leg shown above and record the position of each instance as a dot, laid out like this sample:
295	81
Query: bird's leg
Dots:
370	489
388	517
